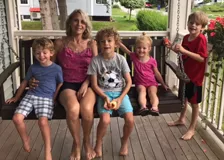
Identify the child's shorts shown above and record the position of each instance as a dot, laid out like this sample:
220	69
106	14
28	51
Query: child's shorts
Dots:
125	106
43	107
193	93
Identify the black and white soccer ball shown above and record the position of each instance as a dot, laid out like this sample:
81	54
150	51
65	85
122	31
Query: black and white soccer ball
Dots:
110	79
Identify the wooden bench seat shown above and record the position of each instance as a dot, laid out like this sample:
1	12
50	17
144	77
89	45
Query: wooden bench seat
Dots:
168	102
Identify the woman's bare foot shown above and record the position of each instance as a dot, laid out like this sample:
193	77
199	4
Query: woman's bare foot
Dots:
98	149
75	155
26	145
124	148
188	135
176	123
90	153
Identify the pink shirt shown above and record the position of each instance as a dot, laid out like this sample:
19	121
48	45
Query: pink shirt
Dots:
74	65
143	72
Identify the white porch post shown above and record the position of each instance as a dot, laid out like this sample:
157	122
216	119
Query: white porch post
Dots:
13	25
185	10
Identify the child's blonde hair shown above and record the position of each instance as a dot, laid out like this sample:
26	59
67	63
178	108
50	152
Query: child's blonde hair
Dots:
108	32
144	38
44	43
199	17
87	32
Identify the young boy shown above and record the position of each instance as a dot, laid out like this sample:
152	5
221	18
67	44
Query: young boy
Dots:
111	80
194	51
41	99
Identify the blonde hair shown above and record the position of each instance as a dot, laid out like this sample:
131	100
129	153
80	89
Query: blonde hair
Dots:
44	43
143	38
87	32
199	17
108	32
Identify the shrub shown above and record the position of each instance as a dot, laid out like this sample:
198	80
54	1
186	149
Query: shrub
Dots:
151	20
116	6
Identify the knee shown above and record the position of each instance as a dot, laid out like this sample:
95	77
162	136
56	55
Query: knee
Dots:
105	121
72	112
17	119
129	121
87	114
42	122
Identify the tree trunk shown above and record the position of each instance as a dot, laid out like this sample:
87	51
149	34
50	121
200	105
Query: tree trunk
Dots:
54	14
62	12
130	14
45	15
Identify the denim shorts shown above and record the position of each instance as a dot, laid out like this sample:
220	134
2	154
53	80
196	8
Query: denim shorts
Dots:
125	106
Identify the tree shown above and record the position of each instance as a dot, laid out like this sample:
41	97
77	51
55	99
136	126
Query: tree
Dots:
132	4
54	14
45	15
62	12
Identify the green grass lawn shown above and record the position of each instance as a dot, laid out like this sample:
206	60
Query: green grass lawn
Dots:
120	22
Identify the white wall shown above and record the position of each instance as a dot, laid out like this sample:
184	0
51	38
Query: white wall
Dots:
89	6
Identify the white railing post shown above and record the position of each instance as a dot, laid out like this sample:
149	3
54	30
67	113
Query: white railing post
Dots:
185	10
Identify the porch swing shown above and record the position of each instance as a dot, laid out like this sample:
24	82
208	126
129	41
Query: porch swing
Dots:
169	102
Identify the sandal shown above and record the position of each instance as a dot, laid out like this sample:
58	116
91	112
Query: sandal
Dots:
154	112
143	112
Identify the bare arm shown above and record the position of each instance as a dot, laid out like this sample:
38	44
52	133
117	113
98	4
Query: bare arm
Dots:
19	92
128	82
124	48
99	91
182	50
57	90
93	45
159	77
58	45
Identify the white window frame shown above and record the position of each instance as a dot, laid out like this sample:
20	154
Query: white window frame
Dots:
25	4
100	2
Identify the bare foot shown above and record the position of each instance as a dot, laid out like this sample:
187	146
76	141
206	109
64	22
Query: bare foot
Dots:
26	145
124	148
90	153
75	155
176	123
98	150
188	135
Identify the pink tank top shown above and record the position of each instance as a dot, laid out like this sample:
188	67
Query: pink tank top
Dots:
74	65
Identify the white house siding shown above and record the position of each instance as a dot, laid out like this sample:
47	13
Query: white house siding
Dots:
89	6
8	85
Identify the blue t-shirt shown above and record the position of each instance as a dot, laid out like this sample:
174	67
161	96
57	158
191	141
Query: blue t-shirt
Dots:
48	78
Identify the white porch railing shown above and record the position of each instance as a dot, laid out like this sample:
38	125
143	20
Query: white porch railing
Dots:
212	108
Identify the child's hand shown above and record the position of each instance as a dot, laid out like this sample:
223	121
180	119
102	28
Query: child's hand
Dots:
179	48
107	104
11	100
166	87
167	43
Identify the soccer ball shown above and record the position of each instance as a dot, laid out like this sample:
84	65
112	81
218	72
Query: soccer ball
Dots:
110	79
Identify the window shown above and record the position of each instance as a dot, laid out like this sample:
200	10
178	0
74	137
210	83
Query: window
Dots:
101	2
24	1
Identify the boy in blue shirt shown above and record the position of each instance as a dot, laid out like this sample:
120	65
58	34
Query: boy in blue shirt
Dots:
42	98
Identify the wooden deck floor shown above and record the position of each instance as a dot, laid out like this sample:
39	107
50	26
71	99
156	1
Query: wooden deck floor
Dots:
151	139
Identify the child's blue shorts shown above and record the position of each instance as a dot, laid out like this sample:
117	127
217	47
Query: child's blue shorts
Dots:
125	106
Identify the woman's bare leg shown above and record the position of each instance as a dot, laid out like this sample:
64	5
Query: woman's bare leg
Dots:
69	100
86	107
